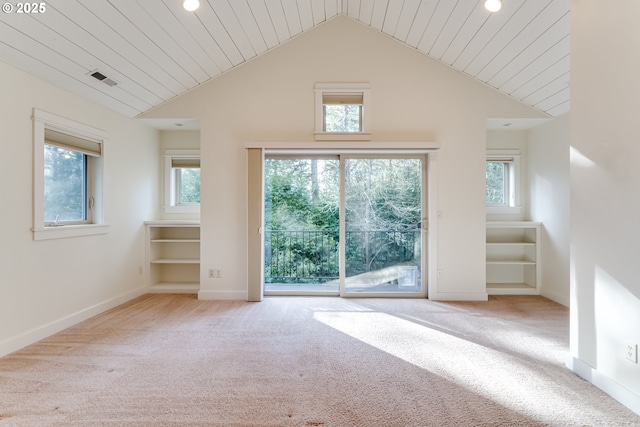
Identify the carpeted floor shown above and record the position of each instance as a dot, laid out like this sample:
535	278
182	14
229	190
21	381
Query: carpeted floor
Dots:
164	360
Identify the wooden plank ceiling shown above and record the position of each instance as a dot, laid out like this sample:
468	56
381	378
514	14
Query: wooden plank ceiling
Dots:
154	50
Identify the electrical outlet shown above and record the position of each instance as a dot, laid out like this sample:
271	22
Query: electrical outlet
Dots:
631	352
439	274
214	273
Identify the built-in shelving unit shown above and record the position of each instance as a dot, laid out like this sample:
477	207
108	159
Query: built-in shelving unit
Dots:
513	258
173	256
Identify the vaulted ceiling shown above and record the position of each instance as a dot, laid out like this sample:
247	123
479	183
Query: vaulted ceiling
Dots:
155	50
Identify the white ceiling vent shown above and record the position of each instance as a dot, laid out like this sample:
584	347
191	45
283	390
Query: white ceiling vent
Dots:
104	79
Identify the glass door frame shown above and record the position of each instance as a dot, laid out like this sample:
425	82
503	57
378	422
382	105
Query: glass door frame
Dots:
428	229
422	293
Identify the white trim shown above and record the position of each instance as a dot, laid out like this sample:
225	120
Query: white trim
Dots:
34	335
459	296
223	295
346	147
342	136
432	224
614	389
47	233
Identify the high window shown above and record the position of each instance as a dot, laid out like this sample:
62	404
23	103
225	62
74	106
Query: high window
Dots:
342	111
68	166
182	181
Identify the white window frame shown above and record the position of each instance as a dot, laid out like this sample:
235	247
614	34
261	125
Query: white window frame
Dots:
95	182
322	89
514	184
171	182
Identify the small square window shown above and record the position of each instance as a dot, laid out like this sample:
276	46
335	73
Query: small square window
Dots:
342	111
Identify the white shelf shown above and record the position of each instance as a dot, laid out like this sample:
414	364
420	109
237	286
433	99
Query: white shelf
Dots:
173	256
175	241
175	261
510	262
513	258
511	289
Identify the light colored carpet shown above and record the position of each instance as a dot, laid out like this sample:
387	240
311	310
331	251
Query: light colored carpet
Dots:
174	360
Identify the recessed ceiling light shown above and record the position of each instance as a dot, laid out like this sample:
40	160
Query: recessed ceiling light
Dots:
493	5
191	5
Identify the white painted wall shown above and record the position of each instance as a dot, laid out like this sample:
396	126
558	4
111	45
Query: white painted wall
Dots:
605	207
549	202
48	285
271	98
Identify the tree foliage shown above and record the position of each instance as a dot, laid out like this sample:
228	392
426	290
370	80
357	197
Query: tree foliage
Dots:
189	185
64	184
383	213
496	183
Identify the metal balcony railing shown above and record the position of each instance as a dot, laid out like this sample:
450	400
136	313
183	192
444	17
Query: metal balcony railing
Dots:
312	256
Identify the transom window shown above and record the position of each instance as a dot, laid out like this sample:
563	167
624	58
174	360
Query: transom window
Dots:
342	111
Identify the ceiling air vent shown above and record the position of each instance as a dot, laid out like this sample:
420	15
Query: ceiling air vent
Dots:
104	79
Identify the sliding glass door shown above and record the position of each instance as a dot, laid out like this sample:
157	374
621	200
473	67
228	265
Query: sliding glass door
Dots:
382	225
344	225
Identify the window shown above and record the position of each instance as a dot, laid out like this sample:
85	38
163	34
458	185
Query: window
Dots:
182	181
342	111
503	181
68	160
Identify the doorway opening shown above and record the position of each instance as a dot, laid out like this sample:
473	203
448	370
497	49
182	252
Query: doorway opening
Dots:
344	225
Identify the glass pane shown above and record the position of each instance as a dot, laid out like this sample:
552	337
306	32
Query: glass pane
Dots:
342	118
496	183
64	185
301	231
189	191
383	208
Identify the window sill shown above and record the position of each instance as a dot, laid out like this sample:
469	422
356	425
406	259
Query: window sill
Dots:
64	231
504	210
182	209
343	136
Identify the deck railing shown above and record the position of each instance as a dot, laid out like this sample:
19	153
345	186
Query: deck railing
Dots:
312	256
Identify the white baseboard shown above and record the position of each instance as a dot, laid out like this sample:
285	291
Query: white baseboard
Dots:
27	338
614	389
557	297
458	296
223	295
